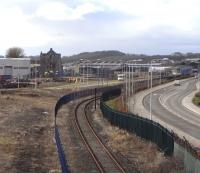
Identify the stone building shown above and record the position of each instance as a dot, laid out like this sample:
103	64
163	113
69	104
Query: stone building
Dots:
50	64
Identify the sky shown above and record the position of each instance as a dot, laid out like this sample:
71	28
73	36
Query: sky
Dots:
74	26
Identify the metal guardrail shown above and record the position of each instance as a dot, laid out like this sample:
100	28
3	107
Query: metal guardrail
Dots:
142	127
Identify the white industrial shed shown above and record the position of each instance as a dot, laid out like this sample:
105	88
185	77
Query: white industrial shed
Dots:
15	67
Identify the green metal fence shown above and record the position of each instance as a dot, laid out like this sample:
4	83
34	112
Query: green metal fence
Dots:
142	127
191	164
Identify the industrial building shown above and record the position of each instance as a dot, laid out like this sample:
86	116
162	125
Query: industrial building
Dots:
15	67
50	64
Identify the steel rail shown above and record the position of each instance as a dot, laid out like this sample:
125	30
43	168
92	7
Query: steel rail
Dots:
112	157
94	157
86	142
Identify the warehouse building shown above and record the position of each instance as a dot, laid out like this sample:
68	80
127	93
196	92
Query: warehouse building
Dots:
50	64
15	67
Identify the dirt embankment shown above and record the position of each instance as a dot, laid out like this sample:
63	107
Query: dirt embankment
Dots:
26	132
143	156
135	154
27	144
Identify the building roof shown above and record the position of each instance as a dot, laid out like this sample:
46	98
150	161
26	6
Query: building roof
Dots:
50	52
14	59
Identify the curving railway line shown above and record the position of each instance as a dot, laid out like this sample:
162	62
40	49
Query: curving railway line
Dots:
100	154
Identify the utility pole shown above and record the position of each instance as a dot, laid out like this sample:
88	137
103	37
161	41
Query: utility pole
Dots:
97	74
126	83
35	75
150	104
198	76
129	85
83	70
160	76
87	72
95	93
102	74
123	96
98	71
132	81
18	74
148	78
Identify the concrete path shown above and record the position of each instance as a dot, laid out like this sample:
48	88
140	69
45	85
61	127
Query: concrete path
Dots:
187	101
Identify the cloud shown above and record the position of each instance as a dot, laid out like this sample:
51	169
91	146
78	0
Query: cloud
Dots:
99	24
59	11
17	29
182	15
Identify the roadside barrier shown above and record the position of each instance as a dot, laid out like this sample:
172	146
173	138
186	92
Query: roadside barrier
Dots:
166	140
191	163
142	127
187	153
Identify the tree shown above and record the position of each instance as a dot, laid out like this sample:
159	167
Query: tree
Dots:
15	52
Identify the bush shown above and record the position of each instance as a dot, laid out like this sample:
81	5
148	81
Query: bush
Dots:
196	101
197	94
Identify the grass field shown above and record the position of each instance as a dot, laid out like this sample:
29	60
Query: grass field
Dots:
117	104
196	99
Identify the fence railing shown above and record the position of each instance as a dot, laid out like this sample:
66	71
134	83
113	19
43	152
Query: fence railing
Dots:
165	144
62	101
143	127
166	140
191	163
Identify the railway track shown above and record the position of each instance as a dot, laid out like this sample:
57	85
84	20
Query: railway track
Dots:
100	154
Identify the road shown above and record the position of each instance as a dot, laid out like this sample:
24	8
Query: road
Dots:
167	106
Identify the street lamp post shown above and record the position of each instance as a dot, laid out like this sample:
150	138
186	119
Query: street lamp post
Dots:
98	74
35	76
198	75
98	70
148	79
87	72
160	75
102	74
18	74
132	80
129	85
126	82
83	73
150	104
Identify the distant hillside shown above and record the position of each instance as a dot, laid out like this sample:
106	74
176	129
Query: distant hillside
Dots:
117	56
94	56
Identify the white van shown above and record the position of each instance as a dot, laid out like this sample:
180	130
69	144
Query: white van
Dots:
177	83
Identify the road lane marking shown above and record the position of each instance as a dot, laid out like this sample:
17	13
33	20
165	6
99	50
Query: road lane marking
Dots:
176	114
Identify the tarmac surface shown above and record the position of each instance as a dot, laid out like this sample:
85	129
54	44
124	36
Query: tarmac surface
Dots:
168	110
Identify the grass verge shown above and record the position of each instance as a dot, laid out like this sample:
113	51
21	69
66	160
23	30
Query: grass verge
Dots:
196	99
117	104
